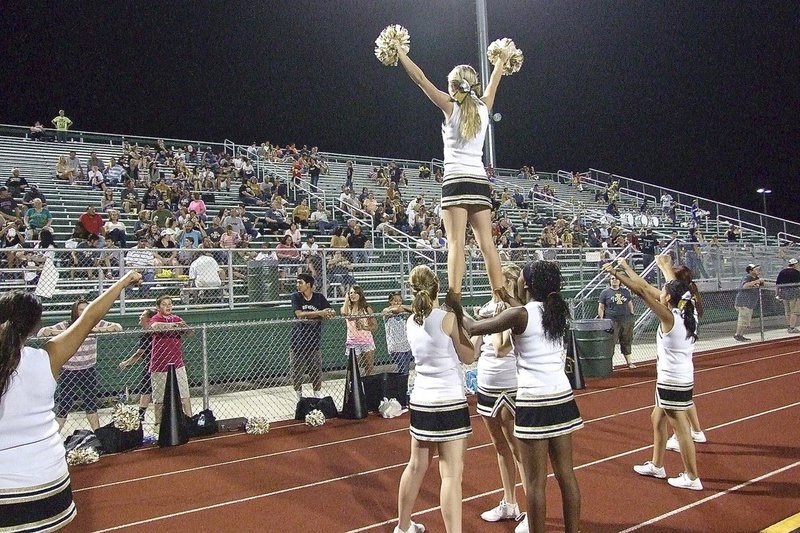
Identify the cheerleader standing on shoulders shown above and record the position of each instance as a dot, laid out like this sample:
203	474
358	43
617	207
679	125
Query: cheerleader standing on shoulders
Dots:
465	190
546	413
675	338
497	391
439	414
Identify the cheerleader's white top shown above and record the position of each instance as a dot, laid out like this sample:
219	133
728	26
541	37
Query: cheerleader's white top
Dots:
674	353
31	451
464	157
496	372
540	362
438	376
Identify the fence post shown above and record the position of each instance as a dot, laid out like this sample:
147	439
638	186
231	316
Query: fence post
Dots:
761	312
230	279
204	341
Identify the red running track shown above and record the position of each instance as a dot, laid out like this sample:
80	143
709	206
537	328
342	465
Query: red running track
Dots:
344	475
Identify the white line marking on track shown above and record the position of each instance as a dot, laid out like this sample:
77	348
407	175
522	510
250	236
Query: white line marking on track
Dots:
359	474
712	497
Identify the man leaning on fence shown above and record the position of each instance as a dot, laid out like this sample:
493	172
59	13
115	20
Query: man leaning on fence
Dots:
310	308
747	299
616	304
788	289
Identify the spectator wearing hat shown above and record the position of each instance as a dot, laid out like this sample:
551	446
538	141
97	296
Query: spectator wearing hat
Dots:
33	194
747	299
9	208
788	289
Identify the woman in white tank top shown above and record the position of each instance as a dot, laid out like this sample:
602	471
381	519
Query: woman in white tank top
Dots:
546	414
439	414
35	493
677	331
497	392
465	188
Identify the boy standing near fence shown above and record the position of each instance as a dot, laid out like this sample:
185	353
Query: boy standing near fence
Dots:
305	353
167	348
395	316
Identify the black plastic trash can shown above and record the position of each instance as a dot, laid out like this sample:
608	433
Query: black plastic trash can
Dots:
594	341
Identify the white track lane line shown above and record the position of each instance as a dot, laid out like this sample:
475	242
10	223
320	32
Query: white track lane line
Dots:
712	497
579	467
398	465
332	443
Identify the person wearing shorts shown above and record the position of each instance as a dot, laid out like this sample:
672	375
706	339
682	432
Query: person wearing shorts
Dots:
747	300
360	325
167	349
674	307
78	380
439	413
395	316
546	411
305	354
615	303
788	287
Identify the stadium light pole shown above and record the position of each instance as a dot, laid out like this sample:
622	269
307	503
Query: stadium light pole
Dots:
764	192
483	63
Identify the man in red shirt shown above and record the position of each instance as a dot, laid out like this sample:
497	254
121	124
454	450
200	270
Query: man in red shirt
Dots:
92	222
168	331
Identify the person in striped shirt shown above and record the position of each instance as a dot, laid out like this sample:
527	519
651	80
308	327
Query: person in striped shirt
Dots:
78	380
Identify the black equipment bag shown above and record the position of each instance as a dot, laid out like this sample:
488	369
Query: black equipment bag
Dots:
82	438
203	423
114	440
306	405
386	385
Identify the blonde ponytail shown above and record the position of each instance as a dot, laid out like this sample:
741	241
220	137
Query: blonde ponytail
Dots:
463	81
425	287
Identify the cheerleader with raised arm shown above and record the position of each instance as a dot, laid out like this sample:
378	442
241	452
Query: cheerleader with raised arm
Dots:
546	412
466	196
675	338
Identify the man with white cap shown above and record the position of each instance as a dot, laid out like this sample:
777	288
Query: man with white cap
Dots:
747	299
788	289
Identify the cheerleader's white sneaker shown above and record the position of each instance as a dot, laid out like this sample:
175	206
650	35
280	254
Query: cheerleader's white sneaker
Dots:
683	482
504	511
651	470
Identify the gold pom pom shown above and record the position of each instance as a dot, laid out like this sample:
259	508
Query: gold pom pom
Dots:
257	425
82	456
391	38
515	57
126	417
315	418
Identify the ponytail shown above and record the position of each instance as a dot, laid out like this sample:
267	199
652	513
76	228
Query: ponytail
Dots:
10	353
464	81
554	317
689	320
421	306
19	314
470	117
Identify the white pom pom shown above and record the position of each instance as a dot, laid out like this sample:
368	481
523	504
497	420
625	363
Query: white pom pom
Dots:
315	418
391	38
82	456
515	57
126	417
257	425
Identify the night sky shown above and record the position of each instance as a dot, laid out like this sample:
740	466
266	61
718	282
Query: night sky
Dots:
702	96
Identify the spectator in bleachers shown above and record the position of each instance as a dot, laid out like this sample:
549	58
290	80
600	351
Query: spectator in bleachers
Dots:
424	172
229	239
9	208
150	198
666	202
62	124
167	249
144	261
249	221
612	209
37	218
114	229
38	133
190	232
108	202
115	173
314	171
693	253
11	239
301	213
214	230
161	214
338	240
130	198
356	241
16	184
246	195
142	225
64	171
35	258
86	256
96	178
340	272
75	164
33	194
92	222
732	234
